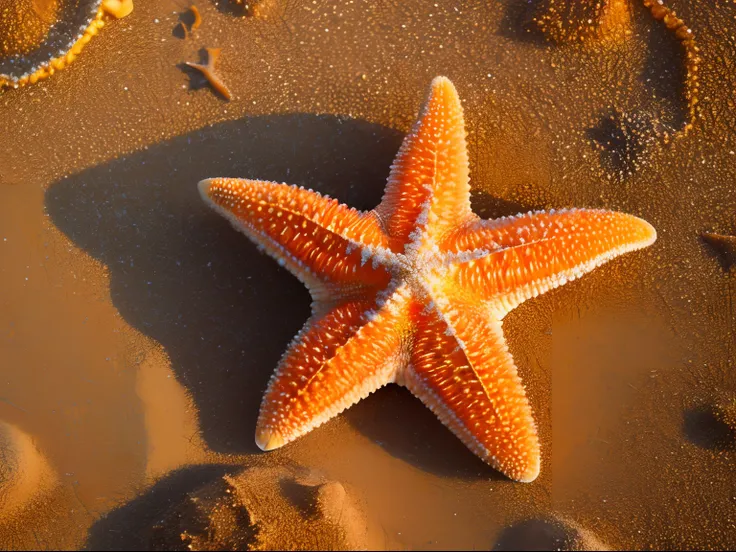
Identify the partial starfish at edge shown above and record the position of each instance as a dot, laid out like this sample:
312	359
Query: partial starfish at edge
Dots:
414	291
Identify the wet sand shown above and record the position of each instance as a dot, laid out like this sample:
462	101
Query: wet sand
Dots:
138	330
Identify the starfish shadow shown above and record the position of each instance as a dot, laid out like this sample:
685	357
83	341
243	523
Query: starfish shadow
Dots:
223	311
182	275
624	140
487	206
406	429
721	247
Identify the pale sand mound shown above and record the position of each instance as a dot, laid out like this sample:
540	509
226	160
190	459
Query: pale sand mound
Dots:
266	509
25	474
548	533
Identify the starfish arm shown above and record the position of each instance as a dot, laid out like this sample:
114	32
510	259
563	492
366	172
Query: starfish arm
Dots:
428	188
529	254
462	370
319	240
336	360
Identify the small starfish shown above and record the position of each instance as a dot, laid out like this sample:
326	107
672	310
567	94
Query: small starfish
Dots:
414	291
210	74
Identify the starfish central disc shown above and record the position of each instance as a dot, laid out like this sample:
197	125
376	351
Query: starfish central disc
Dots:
414	291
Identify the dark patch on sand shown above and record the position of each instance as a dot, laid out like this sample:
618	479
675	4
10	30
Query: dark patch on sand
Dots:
703	428
223	311
132	526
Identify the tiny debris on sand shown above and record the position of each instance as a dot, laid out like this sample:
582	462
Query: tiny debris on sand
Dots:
561	21
724	411
118	8
252	8
209	72
624	140
266	509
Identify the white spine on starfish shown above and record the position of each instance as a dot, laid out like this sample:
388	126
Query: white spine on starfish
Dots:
424	321
465	256
270	246
375	378
444	310
413	382
512	300
321	292
381	256
380	377
554	231
386	297
417	237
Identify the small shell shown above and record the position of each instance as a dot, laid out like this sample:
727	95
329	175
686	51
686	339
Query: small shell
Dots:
691	54
39	37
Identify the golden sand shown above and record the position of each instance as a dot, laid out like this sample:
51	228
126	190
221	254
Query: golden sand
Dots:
134	323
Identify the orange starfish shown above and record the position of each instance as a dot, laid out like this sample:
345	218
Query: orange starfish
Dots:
414	291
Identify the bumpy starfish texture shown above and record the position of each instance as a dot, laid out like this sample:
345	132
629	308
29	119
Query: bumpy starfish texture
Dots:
414	291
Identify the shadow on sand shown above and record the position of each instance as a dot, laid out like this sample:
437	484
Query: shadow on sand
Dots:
536	534
131	526
182	275
223	311
516	22
702	427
